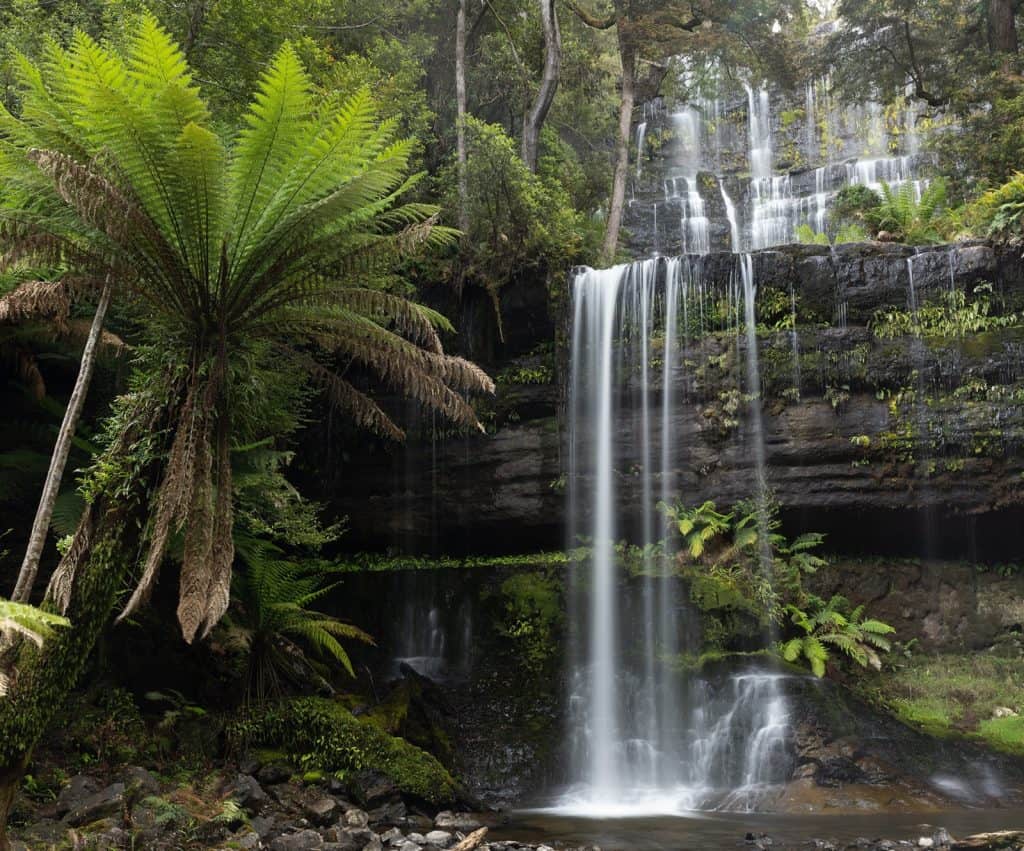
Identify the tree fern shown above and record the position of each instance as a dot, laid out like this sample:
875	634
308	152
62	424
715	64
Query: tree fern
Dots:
256	254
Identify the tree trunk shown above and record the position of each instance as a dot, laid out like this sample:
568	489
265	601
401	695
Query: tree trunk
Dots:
460	114
59	459
46	676
1002	28
537	114
103	553
627	54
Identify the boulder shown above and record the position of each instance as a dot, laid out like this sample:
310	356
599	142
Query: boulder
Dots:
439	838
447	820
107	803
79	788
248	794
356	817
274	773
322	810
304	840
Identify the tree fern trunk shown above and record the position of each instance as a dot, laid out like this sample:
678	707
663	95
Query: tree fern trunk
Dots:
46	676
103	554
59	459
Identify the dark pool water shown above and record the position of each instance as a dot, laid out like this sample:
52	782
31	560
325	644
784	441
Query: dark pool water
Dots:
705	832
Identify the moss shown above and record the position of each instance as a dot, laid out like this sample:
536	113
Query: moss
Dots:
531	615
374	562
321	734
1006	734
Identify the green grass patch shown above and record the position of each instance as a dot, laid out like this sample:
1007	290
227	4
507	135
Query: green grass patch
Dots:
956	694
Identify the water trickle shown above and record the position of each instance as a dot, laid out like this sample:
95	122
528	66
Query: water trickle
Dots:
734	227
641	135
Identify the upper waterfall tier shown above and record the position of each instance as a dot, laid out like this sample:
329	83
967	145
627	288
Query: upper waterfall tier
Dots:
744	172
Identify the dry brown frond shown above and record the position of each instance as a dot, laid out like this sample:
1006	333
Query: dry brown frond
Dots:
22	362
405	316
33	300
170	501
62	582
218	594
78	331
363	410
196	561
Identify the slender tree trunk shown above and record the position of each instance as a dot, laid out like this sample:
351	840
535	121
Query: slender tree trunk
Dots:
460	114
59	459
538	112
611	237
1002	28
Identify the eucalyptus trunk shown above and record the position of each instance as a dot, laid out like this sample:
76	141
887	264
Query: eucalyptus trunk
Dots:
1002	27
460	115
538	112
627	53
59	459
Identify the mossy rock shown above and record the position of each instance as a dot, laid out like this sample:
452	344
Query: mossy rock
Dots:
321	734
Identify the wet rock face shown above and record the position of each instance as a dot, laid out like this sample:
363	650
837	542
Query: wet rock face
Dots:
854	422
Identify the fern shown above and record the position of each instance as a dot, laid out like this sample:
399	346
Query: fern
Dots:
272	623
910	219
260	253
29	623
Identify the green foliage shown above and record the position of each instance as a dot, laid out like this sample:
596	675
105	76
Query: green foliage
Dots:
249	254
1000	211
321	734
955	694
952	316
909	219
28	622
272	624
521	223
825	624
532	604
854	203
806	235
540	374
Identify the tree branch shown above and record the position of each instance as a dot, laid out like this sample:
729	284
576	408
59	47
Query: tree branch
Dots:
589	18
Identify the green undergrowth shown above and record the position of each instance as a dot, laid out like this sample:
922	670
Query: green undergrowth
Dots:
375	562
322	735
956	695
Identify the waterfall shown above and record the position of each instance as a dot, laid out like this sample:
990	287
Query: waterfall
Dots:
771	194
642	737
641	134
730	213
693	223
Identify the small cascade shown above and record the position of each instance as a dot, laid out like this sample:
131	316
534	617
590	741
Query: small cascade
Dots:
434	635
693	220
735	245
641	135
644	738
771	194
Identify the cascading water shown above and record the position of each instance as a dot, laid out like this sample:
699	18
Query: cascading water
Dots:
644	738
693	220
